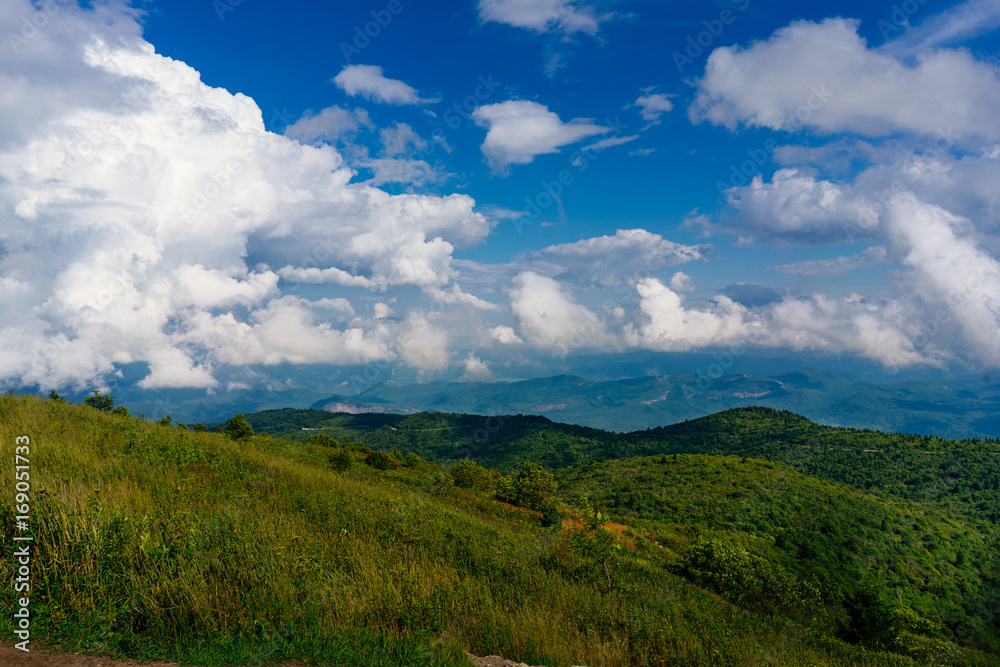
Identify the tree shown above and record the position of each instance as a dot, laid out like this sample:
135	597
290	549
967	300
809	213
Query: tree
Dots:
239	428
870	615
534	486
468	475
381	460
165	420
53	396
321	439
99	401
200	428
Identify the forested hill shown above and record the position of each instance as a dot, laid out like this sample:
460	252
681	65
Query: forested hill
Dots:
962	475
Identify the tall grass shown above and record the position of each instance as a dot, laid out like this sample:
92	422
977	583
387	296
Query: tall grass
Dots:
153	541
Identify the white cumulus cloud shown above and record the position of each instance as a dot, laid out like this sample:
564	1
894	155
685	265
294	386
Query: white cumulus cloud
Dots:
140	209
550	318
824	76
520	130
369	81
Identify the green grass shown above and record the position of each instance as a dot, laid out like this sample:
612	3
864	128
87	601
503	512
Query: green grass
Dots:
152	541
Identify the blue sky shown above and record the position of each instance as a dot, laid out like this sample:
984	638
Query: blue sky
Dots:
205	190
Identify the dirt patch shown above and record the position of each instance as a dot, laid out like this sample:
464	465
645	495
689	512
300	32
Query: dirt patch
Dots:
45	657
41	656
496	661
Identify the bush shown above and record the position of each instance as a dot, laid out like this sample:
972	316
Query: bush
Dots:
411	460
534	486
165	420
441	483
552	515
199	428
53	396
381	460
876	621
99	401
469	475
503	488
749	580
121	411
341	459
321	439
239	428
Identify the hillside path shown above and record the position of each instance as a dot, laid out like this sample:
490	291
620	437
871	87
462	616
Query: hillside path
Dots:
43	657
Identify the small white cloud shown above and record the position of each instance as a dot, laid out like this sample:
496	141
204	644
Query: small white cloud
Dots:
368	81
653	106
339	305
476	369
609	260
505	335
455	296
817	267
608	143
566	16
329	276
520	130
400	139
399	170
328	125
671	326
642	152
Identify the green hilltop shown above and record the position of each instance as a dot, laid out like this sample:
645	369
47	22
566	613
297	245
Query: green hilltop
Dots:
370	540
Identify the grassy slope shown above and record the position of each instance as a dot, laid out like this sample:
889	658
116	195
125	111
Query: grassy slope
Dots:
156	541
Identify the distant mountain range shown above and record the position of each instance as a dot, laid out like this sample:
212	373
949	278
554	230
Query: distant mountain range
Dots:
962	407
965	407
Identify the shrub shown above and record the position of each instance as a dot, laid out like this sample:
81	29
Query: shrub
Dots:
53	396
99	401
552	515
199	428
381	460
441	483
469	475
341	459
121	411
239	428
749	580
321	439
411	460
534	486
503	488
875	620
165	420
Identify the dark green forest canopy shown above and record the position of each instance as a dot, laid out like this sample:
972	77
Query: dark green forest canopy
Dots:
961	475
